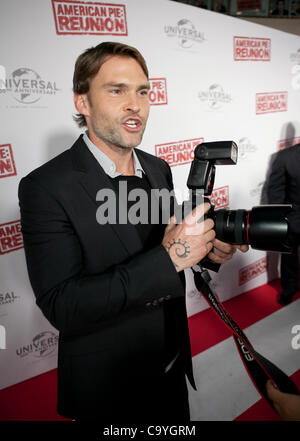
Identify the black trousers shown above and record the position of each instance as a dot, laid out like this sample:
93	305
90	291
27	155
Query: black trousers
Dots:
159	401
176	407
289	269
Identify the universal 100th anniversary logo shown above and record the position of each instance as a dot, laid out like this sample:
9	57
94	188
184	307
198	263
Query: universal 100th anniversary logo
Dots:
185	32
41	346
215	97
27	87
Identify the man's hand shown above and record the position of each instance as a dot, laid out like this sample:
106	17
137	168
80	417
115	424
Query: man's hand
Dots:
287	405
189	242
222	252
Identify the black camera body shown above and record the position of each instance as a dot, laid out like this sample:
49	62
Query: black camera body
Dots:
265	227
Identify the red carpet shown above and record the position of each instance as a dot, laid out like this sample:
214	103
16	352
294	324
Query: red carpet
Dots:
261	411
35	399
31	400
245	309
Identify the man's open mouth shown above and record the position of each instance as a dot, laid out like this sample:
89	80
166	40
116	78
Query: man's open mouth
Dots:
132	124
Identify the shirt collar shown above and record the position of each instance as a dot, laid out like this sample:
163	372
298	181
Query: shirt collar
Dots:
107	164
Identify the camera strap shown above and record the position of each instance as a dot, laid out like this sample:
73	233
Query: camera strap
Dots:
258	367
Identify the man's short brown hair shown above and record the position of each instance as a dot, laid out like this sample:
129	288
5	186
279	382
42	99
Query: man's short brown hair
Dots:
89	62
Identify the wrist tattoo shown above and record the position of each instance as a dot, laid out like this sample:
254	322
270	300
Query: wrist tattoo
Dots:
181	249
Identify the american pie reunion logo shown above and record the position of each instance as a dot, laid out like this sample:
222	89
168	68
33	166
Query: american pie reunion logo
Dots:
73	17
288	142
7	163
220	197
179	152
158	91
252	49
253	270
271	102
11	238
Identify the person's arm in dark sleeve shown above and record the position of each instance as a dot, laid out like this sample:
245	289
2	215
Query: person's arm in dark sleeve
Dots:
70	300
276	187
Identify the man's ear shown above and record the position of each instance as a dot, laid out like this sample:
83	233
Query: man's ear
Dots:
81	103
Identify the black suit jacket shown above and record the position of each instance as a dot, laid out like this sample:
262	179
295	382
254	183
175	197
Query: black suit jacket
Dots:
94	283
284	183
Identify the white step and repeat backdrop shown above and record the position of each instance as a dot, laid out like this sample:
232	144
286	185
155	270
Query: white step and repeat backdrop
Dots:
213	77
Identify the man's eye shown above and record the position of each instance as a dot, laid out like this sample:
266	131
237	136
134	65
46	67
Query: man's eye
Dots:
115	91
144	92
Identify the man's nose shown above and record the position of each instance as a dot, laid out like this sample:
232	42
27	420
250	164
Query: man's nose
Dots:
132	103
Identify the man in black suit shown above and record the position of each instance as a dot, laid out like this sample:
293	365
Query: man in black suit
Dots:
284	188
114	290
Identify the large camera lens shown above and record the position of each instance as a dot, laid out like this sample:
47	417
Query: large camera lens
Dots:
265	227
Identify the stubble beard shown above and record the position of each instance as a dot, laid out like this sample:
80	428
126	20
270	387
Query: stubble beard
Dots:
113	137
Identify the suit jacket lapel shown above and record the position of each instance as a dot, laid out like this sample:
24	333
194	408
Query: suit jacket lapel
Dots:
93	178
154	175
157	181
